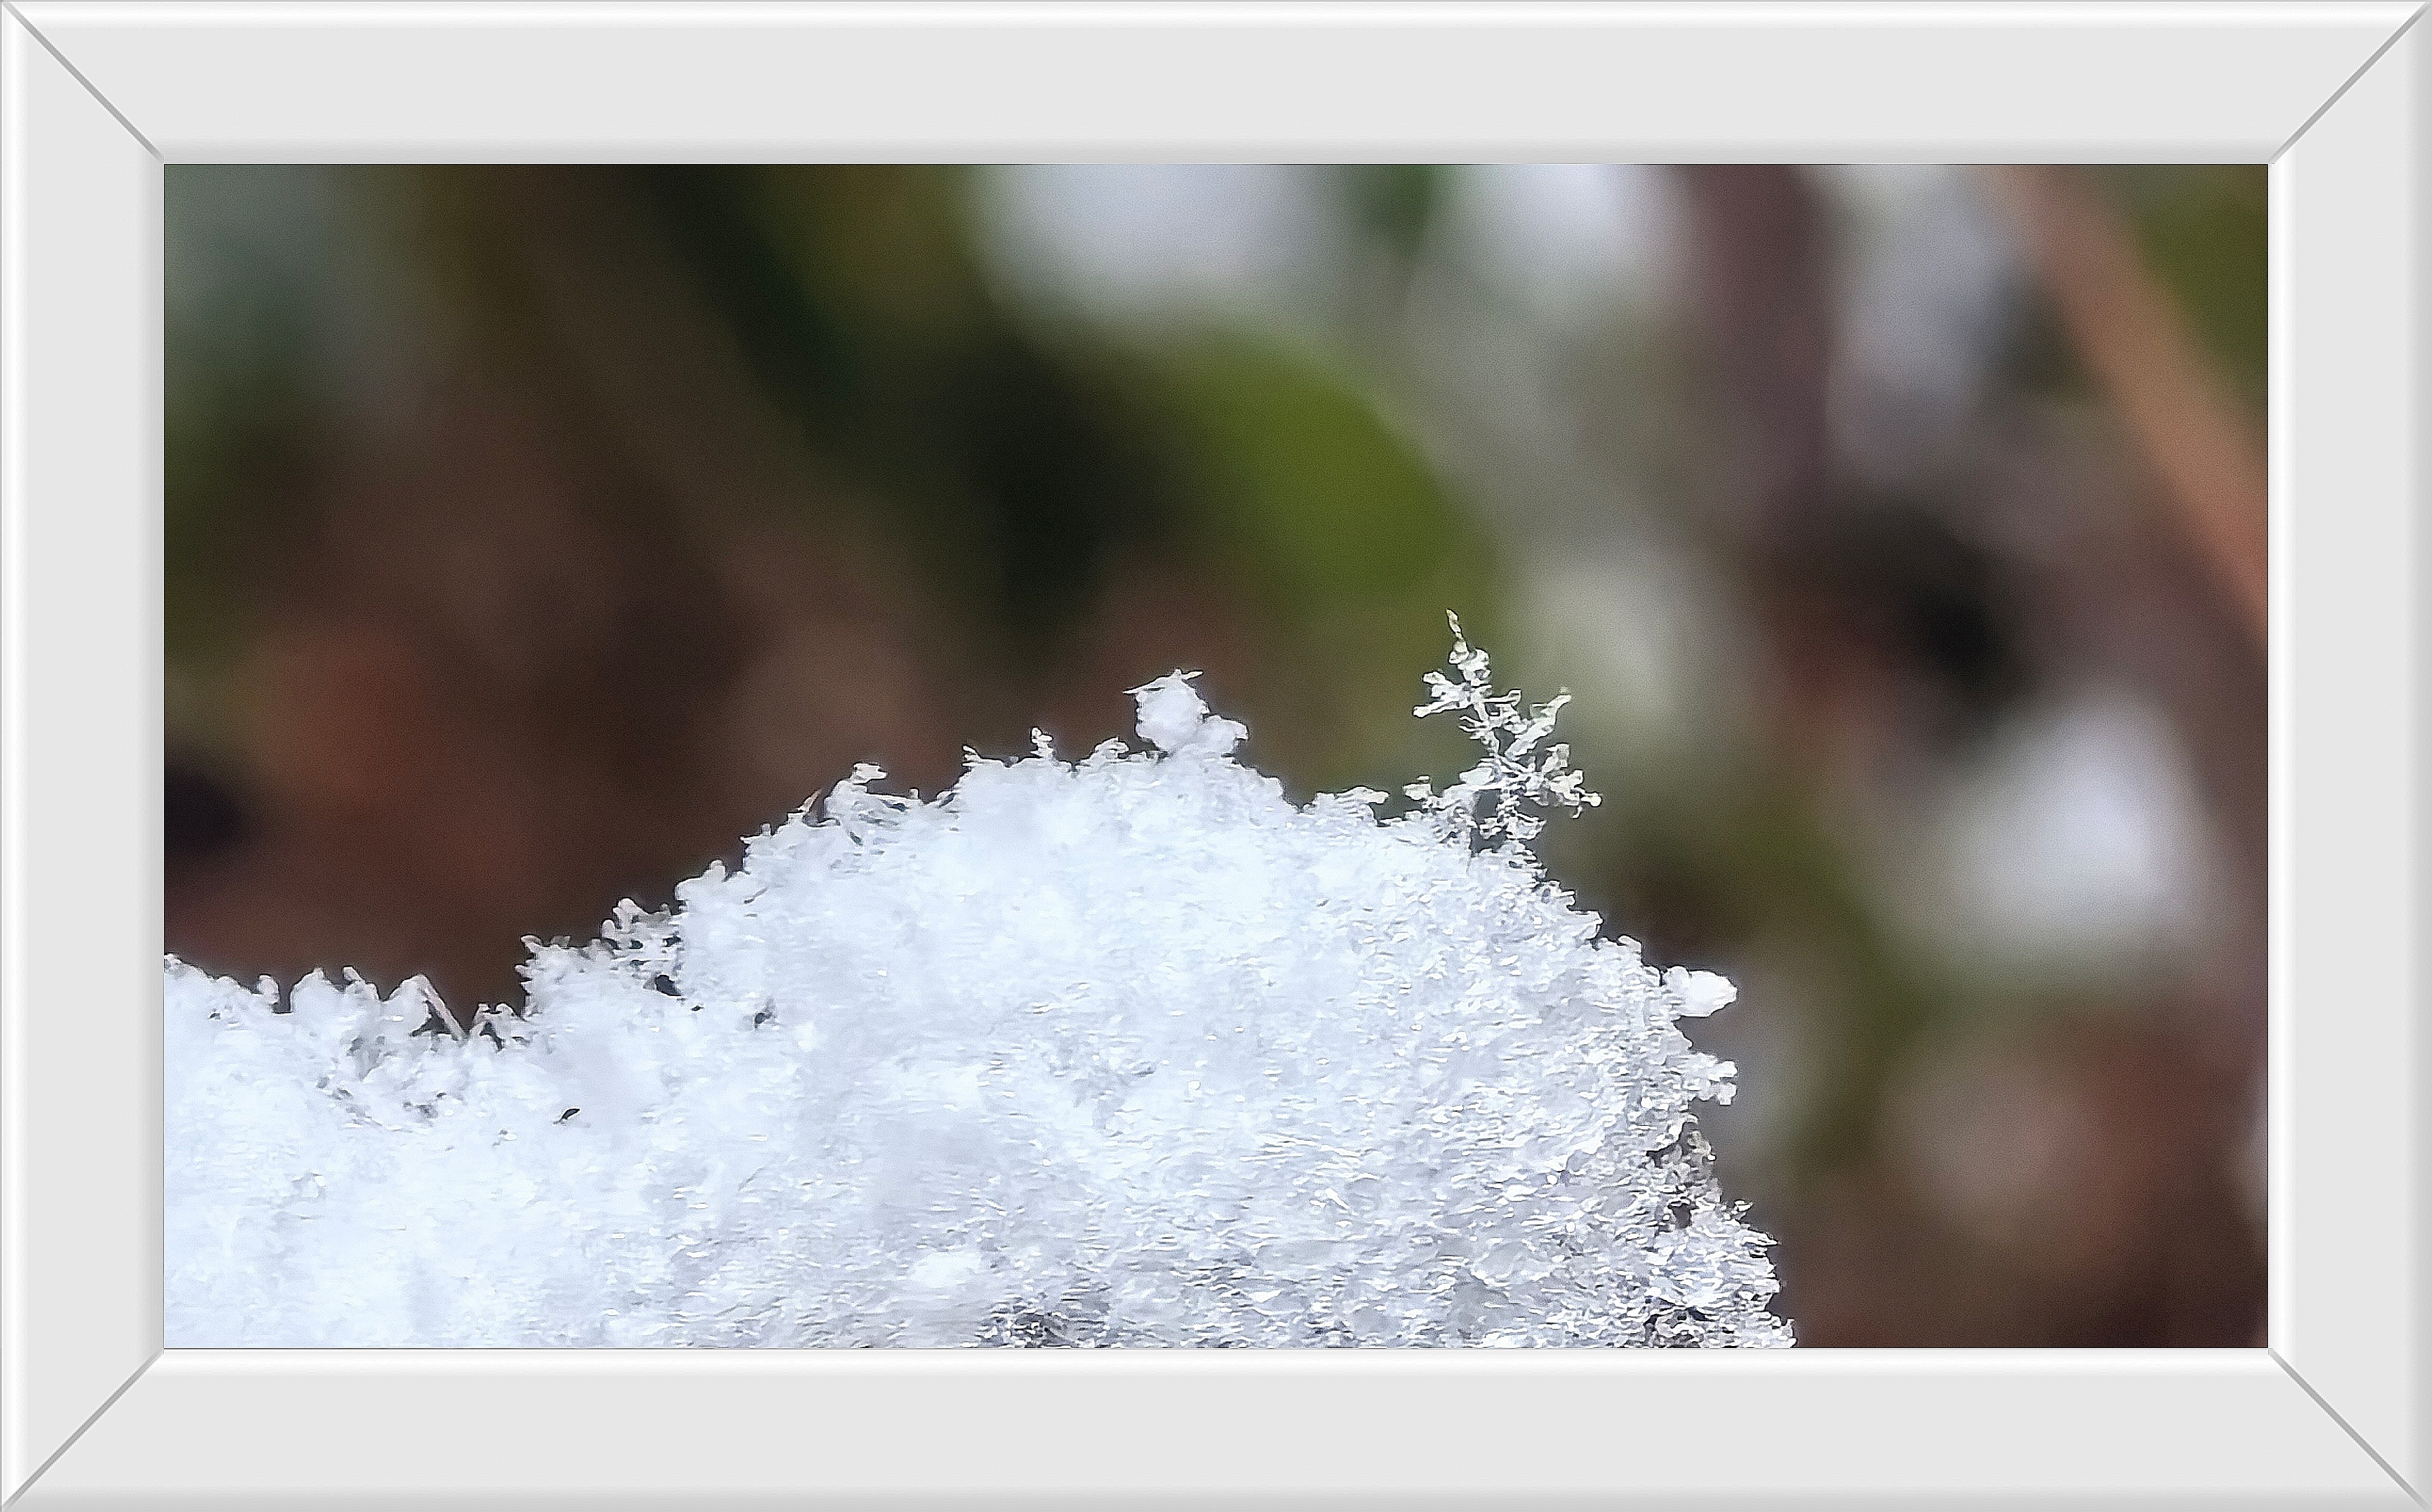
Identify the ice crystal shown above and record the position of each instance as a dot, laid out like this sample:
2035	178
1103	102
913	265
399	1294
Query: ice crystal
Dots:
1520	779
1127	1051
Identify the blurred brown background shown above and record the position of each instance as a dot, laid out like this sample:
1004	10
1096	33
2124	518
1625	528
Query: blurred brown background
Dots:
536	532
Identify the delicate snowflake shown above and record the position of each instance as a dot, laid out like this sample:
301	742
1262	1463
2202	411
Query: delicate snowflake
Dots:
1520	779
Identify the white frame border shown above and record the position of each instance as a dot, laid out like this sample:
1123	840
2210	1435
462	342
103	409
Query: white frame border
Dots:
96	95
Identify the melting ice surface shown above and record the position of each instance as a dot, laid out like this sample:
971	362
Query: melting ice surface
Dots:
1129	1051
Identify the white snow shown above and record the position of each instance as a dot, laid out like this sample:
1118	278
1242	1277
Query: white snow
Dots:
1131	1050
1700	992
1174	719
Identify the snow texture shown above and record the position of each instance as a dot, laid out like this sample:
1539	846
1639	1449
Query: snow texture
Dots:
1129	1051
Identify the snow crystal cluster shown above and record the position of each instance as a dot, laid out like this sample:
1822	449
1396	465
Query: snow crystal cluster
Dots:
1522	786
1127	1051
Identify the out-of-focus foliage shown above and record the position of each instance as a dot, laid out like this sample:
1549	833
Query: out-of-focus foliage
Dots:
2203	232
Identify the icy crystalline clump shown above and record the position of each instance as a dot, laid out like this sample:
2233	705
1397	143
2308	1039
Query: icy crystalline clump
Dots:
1130	1050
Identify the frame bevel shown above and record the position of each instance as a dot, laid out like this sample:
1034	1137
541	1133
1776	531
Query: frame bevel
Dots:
95	96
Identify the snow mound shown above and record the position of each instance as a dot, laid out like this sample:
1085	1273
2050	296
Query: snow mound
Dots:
1129	1051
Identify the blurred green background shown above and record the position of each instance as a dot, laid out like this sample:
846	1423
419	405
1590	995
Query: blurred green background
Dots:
534	533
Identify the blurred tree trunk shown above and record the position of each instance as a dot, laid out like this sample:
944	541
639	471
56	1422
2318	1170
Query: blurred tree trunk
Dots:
1762	271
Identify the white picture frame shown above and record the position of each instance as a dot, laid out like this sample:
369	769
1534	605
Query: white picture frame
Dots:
97	96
